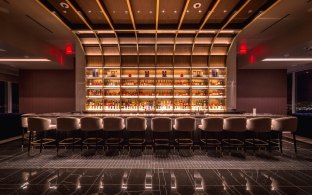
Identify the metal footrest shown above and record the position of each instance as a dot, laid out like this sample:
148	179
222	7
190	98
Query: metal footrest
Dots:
233	142
113	141
69	141
210	141
92	140
44	141
184	141
258	142
161	142
136	141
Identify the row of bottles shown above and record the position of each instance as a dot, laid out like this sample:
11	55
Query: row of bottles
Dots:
96	82
216	82
216	92
95	92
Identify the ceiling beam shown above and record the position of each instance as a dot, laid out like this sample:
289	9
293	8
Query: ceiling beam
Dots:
133	24
208	15
108	19
180	24
236	12
85	22
156	25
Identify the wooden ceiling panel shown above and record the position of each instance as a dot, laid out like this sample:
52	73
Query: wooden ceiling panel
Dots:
170	11
144	13
118	11
92	11
196	10
222	11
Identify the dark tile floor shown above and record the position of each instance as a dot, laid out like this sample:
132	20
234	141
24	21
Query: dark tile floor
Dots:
76	174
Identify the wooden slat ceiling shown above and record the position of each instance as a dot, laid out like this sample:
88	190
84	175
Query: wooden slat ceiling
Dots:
201	27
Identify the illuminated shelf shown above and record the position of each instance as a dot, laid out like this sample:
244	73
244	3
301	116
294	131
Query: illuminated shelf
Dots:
91	77
129	97
181	97
199	97
111	96
95	96
216	97
182	89
147	97
95	86
217	86
164	96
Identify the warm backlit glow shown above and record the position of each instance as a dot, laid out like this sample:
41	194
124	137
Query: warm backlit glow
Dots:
24	60
287	59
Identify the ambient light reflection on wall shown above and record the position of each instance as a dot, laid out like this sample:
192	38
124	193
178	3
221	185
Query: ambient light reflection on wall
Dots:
24	60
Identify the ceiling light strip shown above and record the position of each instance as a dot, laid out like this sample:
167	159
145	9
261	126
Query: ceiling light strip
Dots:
216	3
85	22
287	60
59	19
133	24
24	60
228	21
180	24
104	12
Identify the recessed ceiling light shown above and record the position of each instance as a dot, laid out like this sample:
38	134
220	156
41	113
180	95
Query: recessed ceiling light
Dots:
287	59
114	11
163	11
187	11
199	11
64	11
90	11
138	11
64	5
24	60
250	11
224	11
126	12
150	12
175	11
196	5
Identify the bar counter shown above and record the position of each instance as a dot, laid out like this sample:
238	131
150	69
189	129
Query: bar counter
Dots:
148	116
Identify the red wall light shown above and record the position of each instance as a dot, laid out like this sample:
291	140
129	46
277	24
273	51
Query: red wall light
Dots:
243	49
252	59
69	49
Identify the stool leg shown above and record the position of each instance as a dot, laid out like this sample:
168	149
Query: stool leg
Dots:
280	136
57	142
96	141
41	139
73	141
253	142
269	138
29	142
295	142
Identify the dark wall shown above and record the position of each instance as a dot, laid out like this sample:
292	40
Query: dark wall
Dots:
304	83
265	90
47	91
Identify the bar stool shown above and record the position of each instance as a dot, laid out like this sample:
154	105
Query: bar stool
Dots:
161	131
211	125
259	126
24	124
39	125
235	126
113	128
136	129
285	124
65	125
184	128
91	125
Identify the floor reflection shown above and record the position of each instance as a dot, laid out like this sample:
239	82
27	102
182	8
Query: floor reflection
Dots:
151	181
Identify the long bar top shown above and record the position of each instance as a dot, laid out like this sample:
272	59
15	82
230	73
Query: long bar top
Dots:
151	115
